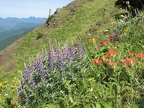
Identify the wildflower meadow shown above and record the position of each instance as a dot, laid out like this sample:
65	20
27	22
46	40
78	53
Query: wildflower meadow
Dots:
97	73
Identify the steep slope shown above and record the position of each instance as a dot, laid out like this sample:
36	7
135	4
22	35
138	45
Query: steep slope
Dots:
76	19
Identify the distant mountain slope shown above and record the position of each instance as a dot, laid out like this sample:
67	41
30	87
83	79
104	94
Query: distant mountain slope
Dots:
16	27
12	22
9	39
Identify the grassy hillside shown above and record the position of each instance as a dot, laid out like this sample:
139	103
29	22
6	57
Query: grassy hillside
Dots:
89	16
103	70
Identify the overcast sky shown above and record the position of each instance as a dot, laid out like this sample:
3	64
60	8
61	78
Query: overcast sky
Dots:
27	8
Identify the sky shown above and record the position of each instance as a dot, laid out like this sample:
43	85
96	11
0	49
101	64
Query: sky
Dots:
28	8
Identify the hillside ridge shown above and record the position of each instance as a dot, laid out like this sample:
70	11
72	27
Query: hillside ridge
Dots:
76	19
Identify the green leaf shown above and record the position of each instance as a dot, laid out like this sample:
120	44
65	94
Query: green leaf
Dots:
98	105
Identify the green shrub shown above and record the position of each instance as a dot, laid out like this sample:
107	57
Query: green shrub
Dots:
39	35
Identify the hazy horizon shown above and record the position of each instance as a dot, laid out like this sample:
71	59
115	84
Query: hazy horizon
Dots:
30	8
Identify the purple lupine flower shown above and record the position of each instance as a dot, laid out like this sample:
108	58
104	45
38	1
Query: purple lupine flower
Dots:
64	56
61	56
39	64
40	67
61	64
80	50
51	57
31	65
33	84
26	72
66	53
59	51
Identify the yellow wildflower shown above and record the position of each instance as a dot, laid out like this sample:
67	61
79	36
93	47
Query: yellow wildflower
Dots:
0	97
12	87
13	80
13	90
17	83
125	30
5	82
91	79
92	40
1	85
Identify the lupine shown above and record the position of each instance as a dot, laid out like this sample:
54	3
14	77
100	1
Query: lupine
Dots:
27	72
61	64
66	53
37	72
80	50
40	67
51	58
63	55
59	51
33	84
60	57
